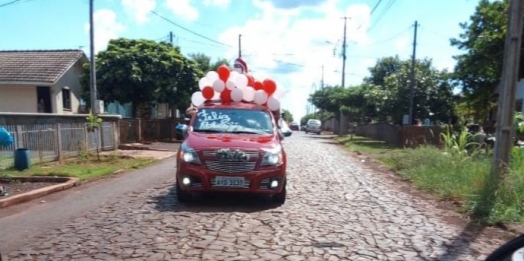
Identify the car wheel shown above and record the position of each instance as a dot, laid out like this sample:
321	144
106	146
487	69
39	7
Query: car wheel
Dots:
182	196
280	198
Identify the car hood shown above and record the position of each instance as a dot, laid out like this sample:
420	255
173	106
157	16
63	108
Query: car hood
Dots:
200	141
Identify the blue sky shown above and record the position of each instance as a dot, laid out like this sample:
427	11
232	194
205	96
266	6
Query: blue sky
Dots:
287	40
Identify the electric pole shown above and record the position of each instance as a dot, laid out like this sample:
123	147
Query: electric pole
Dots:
171	37
240	45
94	108
322	82
412	78
344	55
506	103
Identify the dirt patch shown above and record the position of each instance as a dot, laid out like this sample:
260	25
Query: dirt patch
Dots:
19	187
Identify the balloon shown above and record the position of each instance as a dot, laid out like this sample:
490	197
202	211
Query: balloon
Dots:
212	76
216	96
236	95
208	92
219	85
250	80
233	75
260	97
269	86
225	96
258	85
241	81
197	99
223	72
279	93
230	85
273	104
203	83
248	94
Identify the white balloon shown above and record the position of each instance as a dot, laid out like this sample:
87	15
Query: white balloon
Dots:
203	83
260	97
197	98
212	76
230	85
216	96
233	75
236	95
279	93
273	104
248	94
219	85
242	81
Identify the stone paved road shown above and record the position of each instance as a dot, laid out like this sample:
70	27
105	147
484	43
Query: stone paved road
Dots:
336	210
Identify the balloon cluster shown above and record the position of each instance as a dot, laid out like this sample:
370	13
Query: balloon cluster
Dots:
230	86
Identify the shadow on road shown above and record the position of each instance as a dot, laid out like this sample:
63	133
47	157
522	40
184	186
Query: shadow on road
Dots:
216	202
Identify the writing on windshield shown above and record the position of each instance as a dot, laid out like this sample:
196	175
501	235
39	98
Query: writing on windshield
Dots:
233	120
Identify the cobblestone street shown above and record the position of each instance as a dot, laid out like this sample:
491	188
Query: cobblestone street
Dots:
336	210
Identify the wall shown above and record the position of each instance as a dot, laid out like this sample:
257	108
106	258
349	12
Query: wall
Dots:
70	79
18	98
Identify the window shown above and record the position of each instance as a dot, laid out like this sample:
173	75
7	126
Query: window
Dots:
233	121
66	98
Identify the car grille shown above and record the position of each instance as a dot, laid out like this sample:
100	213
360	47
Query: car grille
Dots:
213	164
230	166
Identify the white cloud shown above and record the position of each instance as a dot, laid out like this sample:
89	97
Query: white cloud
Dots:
183	9
106	28
219	3
139	9
284	35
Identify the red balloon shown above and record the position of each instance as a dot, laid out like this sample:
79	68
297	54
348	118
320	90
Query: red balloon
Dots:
269	86
223	72
250	80
258	85
208	92
225	95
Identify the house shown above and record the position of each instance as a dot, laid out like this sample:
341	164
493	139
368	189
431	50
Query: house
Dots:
41	81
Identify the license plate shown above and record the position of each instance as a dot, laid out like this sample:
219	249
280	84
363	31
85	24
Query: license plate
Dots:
229	181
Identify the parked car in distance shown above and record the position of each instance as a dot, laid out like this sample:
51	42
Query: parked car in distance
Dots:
303	128
285	129
314	126
294	126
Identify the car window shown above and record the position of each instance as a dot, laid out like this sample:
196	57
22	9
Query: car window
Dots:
313	122
233	120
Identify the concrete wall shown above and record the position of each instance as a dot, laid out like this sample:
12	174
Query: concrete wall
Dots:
71	80
18	98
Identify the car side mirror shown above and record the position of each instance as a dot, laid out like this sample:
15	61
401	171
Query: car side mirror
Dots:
280	134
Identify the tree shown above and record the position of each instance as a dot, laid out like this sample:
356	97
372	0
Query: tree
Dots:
94	123
288	117
204	62
383	68
479	69
142	72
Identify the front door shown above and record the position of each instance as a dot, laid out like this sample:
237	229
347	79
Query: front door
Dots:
43	95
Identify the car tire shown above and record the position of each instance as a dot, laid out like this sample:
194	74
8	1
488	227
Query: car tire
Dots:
280	198
182	196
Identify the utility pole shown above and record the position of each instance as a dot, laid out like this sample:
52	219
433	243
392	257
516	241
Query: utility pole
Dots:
322	82
343	119
412	78
239	45
171	37
94	108
506	104
344	55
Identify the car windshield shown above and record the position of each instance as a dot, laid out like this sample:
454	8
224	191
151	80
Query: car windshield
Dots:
233	121
314	122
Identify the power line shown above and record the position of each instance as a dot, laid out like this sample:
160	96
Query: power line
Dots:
188	30
386	9
374	8
14	2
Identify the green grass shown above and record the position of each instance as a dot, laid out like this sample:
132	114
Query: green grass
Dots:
458	177
84	167
367	146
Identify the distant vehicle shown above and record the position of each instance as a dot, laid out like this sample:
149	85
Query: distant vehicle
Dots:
314	126
285	129
294	126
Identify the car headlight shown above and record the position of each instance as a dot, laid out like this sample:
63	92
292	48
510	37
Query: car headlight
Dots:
188	154
272	157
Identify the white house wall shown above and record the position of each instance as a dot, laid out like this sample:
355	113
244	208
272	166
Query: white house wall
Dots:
70	79
18	98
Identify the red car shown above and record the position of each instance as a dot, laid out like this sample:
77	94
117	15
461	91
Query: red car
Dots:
232	148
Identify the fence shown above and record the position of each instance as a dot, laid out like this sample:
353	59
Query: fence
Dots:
139	130
55	137
401	136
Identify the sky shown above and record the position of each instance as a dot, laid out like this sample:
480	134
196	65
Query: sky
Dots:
297	43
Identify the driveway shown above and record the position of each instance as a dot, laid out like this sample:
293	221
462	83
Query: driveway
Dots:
337	209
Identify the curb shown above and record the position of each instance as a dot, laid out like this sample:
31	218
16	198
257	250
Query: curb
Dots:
38	193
